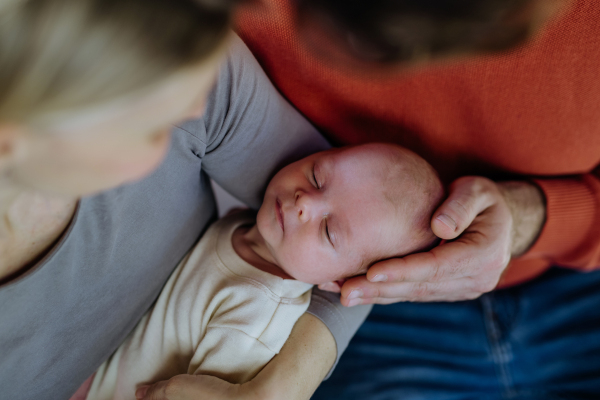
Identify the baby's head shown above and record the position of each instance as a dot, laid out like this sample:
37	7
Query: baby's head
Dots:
331	215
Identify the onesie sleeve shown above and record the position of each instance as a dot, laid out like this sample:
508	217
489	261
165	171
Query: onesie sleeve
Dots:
230	354
241	338
571	234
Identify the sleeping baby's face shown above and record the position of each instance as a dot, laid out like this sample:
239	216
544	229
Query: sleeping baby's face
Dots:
331	215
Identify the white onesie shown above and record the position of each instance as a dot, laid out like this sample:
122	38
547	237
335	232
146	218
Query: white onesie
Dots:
216	315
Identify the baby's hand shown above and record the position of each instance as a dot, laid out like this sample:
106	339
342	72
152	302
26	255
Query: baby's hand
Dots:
191	387
293	374
486	222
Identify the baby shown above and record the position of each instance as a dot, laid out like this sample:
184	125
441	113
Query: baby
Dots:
231	304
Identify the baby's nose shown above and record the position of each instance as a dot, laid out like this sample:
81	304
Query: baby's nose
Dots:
304	205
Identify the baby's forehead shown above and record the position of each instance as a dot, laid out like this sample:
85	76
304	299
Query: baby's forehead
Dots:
366	152
374	226
385	184
360	164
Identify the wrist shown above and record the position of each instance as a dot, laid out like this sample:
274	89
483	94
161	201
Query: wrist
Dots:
527	205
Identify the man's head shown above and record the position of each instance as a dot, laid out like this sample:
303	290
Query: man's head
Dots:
388	31
331	215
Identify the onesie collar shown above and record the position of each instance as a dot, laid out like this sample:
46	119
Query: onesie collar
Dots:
285	288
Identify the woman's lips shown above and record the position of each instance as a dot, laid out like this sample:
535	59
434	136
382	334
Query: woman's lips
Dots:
279	213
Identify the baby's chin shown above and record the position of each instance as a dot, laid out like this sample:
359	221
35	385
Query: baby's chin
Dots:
262	220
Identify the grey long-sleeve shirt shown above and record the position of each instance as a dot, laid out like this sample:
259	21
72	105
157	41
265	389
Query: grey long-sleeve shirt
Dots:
65	316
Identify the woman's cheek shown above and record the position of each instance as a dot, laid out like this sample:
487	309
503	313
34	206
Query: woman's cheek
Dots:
136	169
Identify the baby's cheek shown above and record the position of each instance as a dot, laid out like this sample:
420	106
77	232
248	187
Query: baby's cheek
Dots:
301	266
293	264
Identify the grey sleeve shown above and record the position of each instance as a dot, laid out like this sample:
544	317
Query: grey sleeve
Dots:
343	322
250	132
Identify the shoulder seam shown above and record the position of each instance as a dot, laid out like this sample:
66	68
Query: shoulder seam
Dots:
245	333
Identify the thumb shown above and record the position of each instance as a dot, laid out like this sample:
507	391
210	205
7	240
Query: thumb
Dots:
469	196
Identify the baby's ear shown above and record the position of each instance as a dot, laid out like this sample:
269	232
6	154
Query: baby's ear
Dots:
335	286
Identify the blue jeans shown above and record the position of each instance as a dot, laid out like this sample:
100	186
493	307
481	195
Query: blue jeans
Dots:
540	340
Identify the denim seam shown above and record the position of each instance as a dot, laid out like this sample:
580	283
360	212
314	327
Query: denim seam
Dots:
500	349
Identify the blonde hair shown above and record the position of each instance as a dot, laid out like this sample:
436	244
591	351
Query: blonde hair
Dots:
62	55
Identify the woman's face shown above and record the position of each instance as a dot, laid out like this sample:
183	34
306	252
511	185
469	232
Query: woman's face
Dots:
84	152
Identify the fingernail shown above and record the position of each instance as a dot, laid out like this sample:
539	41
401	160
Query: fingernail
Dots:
354	302
446	220
379	278
141	392
356	293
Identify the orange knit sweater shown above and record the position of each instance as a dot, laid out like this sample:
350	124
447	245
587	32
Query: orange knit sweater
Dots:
531	114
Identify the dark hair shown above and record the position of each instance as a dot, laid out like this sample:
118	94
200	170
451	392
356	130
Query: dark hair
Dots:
402	30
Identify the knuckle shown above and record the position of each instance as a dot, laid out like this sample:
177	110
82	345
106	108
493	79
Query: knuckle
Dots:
450	268
475	185
461	208
440	269
376	293
472	188
466	181
420	290
369	290
437	274
394	269
395	274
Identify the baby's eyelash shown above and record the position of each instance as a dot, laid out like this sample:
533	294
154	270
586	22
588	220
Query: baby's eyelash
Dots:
327	233
315	177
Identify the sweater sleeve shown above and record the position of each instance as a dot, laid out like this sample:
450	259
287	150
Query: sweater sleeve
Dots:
571	234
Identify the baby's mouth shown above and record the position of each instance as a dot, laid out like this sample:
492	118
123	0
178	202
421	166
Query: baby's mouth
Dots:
279	213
